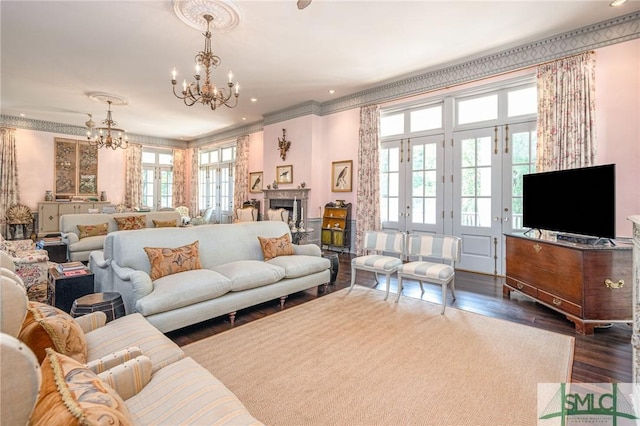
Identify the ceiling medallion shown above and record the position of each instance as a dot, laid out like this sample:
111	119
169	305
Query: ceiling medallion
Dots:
225	14
103	97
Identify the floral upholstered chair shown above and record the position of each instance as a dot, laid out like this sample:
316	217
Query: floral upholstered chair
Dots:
30	264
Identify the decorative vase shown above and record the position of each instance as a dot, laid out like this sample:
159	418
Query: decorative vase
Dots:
103	195
48	195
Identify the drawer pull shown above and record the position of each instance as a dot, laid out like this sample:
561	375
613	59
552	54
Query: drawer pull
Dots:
613	285
537	247
557	301
520	286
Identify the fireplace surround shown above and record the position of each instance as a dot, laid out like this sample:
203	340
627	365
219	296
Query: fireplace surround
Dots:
283	198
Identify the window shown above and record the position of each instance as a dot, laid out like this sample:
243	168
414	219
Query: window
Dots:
217	167
157	178
478	109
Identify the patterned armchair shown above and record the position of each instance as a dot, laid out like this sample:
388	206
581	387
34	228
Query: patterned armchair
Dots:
30	264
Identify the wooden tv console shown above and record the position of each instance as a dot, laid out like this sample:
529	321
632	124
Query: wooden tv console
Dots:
591	285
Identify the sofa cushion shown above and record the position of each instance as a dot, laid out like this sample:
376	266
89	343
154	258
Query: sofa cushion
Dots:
183	289
246	274
301	265
72	394
276	246
129	223
167	261
93	230
48	327
164	223
88	244
133	330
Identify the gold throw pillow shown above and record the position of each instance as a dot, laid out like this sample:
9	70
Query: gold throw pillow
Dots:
130	223
164	223
167	261
93	230
274	247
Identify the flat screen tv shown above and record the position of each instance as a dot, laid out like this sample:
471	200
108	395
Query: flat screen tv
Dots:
577	201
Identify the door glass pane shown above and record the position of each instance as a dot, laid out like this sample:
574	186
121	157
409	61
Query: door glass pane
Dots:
426	119
476	182
166	188
389	183
523	162
484	212
392	124
147	187
478	109
423	180
522	102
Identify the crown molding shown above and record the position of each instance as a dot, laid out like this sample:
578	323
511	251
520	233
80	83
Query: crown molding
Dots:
300	110
66	129
226	135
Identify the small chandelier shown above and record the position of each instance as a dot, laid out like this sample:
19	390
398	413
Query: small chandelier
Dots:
106	140
208	93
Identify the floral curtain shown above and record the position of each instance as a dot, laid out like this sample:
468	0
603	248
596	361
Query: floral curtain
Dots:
194	205
241	182
9	188
133	184
368	193
179	178
566	113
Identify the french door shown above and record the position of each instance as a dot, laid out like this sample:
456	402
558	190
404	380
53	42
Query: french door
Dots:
216	191
412	184
488	164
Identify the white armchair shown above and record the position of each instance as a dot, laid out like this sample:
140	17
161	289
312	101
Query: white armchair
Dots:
278	214
246	214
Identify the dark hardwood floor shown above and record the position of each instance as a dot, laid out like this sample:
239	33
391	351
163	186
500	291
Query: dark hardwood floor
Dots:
604	356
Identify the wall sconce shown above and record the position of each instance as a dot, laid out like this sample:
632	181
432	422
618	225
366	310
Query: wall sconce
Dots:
283	145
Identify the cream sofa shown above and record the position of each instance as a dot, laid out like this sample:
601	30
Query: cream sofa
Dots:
234	274
157	382
79	248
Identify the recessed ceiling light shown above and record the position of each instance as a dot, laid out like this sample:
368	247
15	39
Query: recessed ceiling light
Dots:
254	100
615	3
331	91
244	118
22	114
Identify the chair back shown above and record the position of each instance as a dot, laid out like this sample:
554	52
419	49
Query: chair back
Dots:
21	379
183	210
386	242
278	214
19	214
439	246
247	214
13	305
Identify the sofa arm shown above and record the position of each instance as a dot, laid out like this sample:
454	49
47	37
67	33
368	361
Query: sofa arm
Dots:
116	358
92	321
30	256
97	260
129	378
131	284
307	249
70	238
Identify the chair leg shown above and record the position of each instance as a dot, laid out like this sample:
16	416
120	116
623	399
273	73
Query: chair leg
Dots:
421	287
452	284
353	279
444	298
388	286
400	287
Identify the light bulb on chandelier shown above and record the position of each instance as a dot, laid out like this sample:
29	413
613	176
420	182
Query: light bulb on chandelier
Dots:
208	93
104	138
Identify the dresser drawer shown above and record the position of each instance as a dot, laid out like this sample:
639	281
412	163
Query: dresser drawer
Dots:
560	303
522	287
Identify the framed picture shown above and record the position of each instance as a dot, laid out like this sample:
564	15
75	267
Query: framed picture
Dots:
341	176
75	168
255	182
284	174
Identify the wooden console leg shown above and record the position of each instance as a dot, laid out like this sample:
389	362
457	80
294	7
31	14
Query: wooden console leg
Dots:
583	327
232	317
506	291
282	299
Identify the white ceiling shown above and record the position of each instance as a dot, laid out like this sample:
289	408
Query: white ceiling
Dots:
54	52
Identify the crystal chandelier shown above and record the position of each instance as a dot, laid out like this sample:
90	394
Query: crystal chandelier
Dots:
104	137
208	93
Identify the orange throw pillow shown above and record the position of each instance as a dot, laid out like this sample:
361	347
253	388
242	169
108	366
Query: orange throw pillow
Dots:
49	327
130	223
71	394
93	230
164	223
167	261
274	247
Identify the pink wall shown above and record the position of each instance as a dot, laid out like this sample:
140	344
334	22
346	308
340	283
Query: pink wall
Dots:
318	141
618	124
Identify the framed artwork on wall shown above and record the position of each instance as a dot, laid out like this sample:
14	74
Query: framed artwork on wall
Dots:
75	168
341	176
284	174
255	182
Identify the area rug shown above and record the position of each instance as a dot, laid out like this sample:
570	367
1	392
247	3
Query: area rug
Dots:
355	359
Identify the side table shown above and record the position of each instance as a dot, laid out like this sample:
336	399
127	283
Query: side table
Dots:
62	291
109	303
57	252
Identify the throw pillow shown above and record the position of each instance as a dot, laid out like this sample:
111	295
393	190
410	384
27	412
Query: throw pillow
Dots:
48	327
164	223
72	394
167	261
93	230
274	247
129	223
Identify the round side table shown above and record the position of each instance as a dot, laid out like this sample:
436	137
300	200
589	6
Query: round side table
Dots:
109	303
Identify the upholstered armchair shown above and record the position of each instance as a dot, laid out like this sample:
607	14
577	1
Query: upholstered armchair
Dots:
30	264
246	214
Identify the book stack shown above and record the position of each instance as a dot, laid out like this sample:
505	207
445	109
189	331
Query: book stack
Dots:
50	241
72	269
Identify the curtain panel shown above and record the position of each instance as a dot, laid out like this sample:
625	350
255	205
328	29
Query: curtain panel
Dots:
566	113
368	192
194	204
241	180
179	178
133	184
9	187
